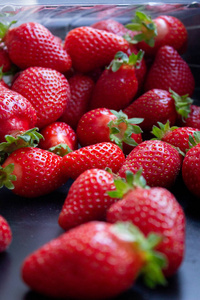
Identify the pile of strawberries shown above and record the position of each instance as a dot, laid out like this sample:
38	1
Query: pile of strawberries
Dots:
110	108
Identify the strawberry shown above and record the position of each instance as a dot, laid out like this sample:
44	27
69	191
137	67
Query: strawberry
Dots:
113	26
152	210
95	260
16	113
117	85
154	106
104	125
91	48
5	61
97	156
46	89
176	136
191	166
31	172
192	119
160	162
153	34
81	87
59	138
31	44
87	199
5	234
169	70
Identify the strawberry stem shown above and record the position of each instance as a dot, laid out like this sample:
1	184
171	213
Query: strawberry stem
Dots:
60	149
122	58
6	176
122	128
162	129
153	261
145	25
182	103
4	29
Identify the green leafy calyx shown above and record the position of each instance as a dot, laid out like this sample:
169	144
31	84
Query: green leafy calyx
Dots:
6	176
122	128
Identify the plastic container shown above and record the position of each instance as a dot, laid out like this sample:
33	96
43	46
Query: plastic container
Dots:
34	221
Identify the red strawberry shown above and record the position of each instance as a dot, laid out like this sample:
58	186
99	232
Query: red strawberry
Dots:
176	136
91	48
191	166
169	70
16	113
104	125
31	44
5	234
32	172
95	260
160	162
81	87
153	34
87	199
152	210
192	119
59	138
154	106
5	61
98	156
117	85
113	26
46	89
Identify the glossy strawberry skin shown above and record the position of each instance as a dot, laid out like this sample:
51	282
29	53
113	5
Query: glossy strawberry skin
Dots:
170	31
115	90
93	128
155	210
46	89
163	73
81	264
37	171
160	162
179	137
5	234
91	48
81	87
154	106
31	44
193	119
16	113
5	60
58	133
87	199
99	156
191	170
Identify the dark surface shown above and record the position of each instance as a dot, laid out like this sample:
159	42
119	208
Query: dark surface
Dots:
34	222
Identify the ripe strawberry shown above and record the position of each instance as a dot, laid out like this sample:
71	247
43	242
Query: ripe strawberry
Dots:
104	125
91	48
152	210
118	84
192	119
87	199
154	106
16	113
113	26
98	156
153	34
191	166
5	234
59	138
81	263
31	44
5	61
176	136
46	89
31	172
81	87
169	70
160	163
